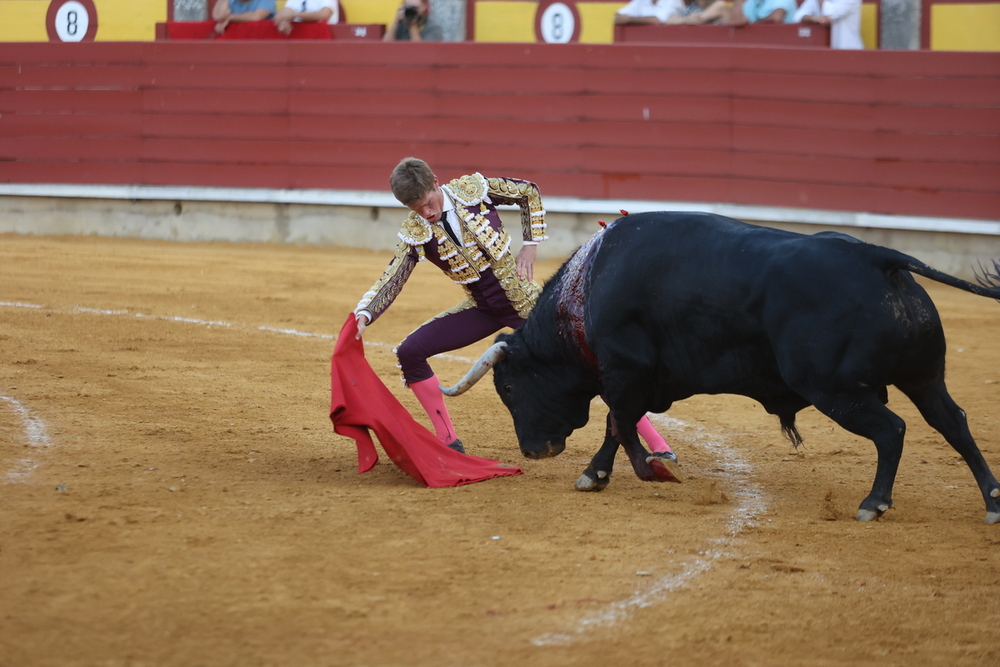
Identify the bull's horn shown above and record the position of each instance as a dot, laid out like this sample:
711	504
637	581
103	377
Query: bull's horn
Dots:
489	359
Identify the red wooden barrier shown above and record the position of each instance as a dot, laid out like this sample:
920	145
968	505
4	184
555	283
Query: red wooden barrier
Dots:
886	132
197	30
759	34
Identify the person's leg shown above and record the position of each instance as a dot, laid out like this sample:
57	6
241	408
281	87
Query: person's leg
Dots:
714	12
455	328
663	459
429	395
648	432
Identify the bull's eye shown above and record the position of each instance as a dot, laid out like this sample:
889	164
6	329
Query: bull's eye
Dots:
506	389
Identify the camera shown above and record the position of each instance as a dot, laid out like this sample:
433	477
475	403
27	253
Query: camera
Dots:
410	12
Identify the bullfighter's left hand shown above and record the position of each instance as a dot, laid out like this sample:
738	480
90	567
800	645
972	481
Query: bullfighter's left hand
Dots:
526	262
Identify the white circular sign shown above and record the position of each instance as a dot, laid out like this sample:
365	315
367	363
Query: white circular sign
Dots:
72	22
557	24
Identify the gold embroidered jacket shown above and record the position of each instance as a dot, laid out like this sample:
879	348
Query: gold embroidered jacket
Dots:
485	242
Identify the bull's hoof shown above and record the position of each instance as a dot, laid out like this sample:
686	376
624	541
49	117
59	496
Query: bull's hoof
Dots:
873	515
591	481
993	517
665	467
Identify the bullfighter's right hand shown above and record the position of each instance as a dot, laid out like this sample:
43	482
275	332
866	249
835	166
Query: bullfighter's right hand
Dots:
362	324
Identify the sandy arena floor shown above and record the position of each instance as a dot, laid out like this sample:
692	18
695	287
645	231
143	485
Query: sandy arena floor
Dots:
171	493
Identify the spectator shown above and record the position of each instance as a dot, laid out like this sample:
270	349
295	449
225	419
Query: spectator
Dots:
413	23
240	11
647	12
843	17
761	11
306	11
700	12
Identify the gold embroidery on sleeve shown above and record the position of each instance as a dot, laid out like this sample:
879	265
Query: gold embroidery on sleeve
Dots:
389	285
520	292
526	195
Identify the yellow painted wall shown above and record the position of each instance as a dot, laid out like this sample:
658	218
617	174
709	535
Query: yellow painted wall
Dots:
965	27
598	21
117	20
23	21
869	25
370	11
505	21
129	20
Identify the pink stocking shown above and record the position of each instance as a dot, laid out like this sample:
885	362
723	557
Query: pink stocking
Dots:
430	397
656	442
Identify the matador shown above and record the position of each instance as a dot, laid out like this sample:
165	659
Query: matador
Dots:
456	227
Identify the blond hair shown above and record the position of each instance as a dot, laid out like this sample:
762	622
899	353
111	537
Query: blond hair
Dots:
411	180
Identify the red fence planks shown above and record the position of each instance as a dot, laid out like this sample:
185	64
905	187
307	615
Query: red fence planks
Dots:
222	102
248	55
806	115
887	132
782	86
52	54
212	76
79	125
71	149
61	171
223	152
818	142
195	126
670	82
70	101
959	148
106	77
938	120
946	91
207	174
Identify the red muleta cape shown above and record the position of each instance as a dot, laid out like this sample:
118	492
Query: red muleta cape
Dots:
359	402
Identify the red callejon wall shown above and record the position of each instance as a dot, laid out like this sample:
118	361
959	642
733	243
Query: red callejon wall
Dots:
884	132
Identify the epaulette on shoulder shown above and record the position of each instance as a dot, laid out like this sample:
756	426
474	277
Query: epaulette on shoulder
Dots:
468	190
415	230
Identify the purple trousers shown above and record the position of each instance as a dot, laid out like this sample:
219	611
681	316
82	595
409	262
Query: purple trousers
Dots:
466	323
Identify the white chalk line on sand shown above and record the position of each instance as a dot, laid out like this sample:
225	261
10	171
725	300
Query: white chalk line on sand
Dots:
35	436
751	501
213	323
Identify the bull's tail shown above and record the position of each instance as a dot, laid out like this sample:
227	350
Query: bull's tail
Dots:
987	277
789	429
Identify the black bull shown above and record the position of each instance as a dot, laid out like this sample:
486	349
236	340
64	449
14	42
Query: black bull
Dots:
662	306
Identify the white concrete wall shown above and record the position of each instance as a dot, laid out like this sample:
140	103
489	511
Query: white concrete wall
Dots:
374	226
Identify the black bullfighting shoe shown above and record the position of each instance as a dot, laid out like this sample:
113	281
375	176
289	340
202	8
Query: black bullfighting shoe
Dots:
456	444
665	466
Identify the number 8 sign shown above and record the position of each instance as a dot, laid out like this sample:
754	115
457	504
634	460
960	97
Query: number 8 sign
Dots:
71	21
557	22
